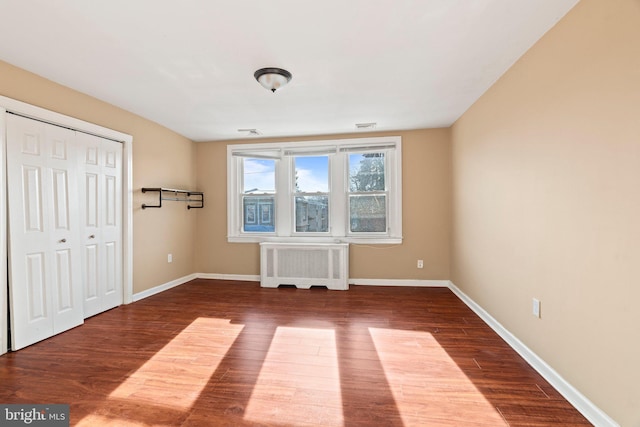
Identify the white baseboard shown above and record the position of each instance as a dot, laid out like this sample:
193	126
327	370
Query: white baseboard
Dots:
401	282
182	280
256	278
366	282
237	277
587	408
161	288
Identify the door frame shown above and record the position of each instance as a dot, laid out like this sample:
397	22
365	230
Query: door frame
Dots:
38	113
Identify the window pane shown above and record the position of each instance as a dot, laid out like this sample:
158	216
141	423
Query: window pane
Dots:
258	214
259	176
366	172
368	214
312	214
312	174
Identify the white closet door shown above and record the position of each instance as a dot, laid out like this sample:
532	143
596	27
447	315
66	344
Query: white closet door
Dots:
101	212
45	287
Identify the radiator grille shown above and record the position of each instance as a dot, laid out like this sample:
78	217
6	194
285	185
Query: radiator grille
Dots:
270	262
336	261
304	265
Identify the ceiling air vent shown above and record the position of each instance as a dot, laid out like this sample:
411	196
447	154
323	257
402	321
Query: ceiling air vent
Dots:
250	132
369	126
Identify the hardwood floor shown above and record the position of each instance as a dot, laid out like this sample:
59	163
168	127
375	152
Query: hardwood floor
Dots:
220	353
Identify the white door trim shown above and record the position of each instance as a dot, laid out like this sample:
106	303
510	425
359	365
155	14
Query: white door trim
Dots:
4	303
38	113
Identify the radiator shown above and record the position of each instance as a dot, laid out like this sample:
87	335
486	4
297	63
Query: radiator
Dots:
304	265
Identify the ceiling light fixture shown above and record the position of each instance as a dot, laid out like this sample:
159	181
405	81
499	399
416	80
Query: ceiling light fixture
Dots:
272	78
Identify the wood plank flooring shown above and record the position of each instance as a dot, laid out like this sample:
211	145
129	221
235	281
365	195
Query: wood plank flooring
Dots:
221	353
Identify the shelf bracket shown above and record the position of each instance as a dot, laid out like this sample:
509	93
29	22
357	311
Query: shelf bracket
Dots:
195	197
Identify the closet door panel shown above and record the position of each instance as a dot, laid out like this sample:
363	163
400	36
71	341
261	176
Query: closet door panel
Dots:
90	264
91	200
44	274
101	228
110	202
111	226
112	270
60	200
31	313
63	291
35	287
66	283
32	198
90	234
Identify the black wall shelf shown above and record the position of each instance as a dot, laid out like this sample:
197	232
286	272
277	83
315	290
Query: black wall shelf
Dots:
196	197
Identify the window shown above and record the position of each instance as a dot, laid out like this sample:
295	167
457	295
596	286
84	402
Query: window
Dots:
258	195
367	193
311	194
347	190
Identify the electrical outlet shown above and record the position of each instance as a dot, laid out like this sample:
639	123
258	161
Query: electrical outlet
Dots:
420	263
170	258
536	307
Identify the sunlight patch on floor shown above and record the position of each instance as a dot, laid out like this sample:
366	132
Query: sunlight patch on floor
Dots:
299	382
414	362
183	366
94	420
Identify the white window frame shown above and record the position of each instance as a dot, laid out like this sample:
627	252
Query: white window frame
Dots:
295	194
258	213
338	151
350	193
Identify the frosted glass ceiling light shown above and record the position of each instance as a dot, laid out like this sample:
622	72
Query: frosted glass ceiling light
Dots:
272	78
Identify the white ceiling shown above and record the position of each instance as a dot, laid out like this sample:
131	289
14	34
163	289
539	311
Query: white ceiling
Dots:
189	65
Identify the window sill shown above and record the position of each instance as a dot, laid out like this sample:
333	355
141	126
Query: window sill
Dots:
374	240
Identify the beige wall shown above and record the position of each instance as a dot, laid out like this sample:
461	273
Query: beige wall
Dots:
160	158
426	216
546	202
